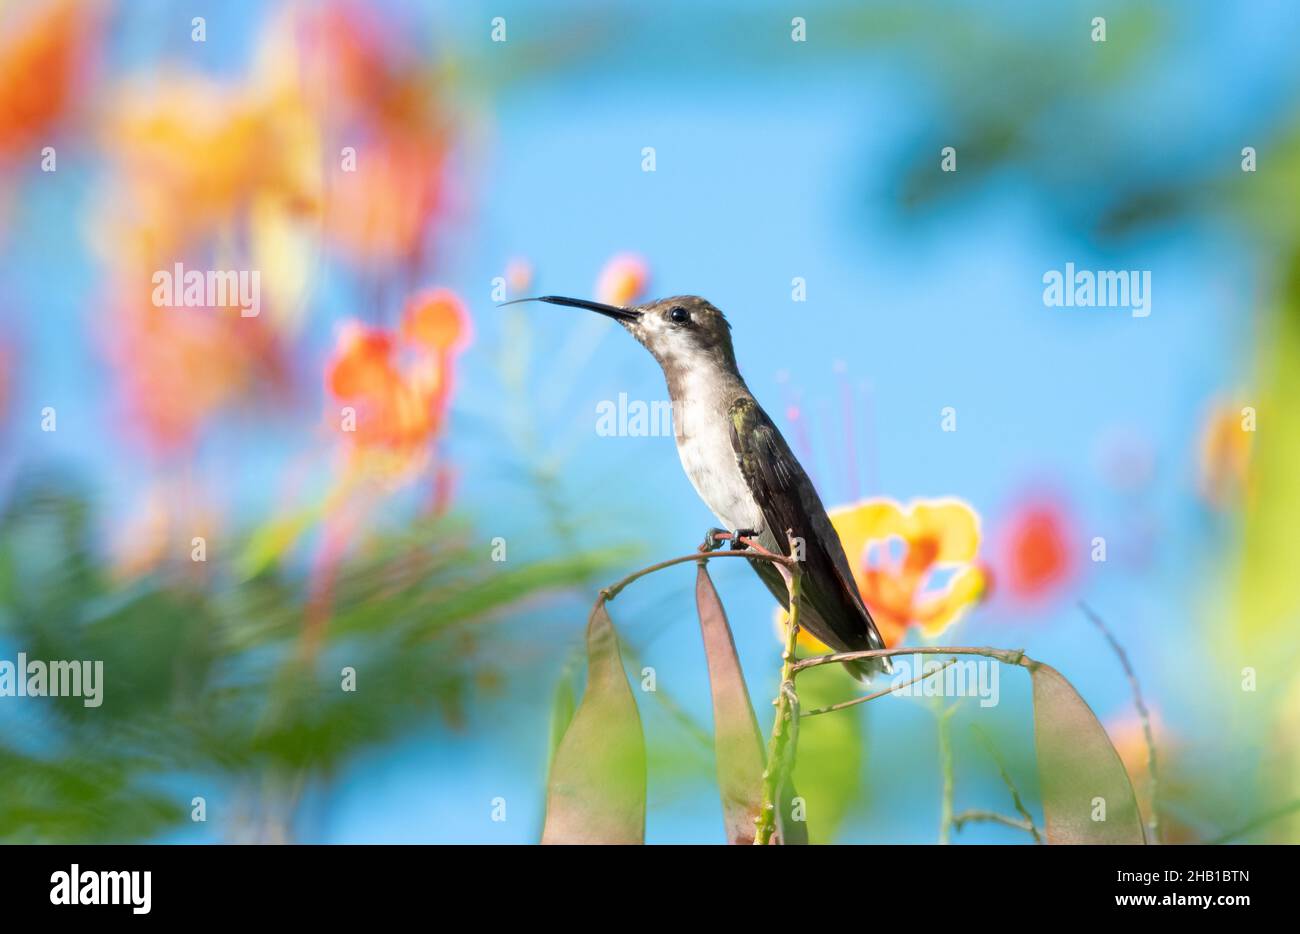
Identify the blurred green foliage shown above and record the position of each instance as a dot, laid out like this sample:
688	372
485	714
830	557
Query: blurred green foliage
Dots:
205	673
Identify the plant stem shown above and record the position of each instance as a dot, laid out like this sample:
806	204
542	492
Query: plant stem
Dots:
1152	777
1262	820
1016	801
1006	656
613	590
852	702
945	762
786	701
992	817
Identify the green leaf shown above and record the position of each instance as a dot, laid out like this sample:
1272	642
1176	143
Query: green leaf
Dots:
738	744
269	543
597	787
1081	775
563	703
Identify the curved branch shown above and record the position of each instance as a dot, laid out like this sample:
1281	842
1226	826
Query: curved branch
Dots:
852	702
992	817
1006	656
755	551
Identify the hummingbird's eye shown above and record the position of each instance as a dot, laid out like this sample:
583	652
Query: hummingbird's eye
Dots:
678	315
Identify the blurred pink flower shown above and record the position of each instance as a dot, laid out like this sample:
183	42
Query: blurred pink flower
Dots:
519	275
377	93
622	280
177	367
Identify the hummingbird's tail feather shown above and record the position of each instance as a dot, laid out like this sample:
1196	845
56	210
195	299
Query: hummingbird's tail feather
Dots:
845	626
864	669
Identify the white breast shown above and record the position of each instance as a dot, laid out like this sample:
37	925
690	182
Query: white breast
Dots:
704	446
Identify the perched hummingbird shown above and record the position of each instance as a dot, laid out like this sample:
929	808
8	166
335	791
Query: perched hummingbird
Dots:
741	466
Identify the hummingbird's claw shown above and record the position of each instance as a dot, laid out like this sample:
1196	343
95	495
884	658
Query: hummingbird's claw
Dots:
738	534
715	537
711	540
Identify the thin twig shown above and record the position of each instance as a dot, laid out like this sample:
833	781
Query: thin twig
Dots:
1006	656
881	693
1267	818
946	766
973	815
755	551
1152	776
1016	800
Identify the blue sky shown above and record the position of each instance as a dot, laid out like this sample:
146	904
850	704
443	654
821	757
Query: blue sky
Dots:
764	175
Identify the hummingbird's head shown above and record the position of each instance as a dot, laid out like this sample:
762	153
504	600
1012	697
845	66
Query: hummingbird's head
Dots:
684	331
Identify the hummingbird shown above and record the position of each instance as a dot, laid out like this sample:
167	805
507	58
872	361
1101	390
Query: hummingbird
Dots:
743	469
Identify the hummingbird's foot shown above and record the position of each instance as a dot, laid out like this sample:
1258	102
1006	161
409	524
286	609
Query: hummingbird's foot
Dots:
738	534
711	540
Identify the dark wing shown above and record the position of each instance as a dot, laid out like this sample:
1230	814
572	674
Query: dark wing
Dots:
788	500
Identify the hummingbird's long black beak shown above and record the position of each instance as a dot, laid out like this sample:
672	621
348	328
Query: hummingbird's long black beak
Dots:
611	311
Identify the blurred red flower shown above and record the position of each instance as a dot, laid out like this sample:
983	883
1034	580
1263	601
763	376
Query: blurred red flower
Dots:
1035	548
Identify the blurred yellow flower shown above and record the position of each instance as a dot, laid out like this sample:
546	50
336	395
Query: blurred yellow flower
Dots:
191	158
1225	454
622	280
897	553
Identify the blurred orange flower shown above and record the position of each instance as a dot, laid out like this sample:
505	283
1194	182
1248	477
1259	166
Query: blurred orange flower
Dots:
1225	449
223	173
40	54
213	174
899	555
436	320
622	280
396	387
